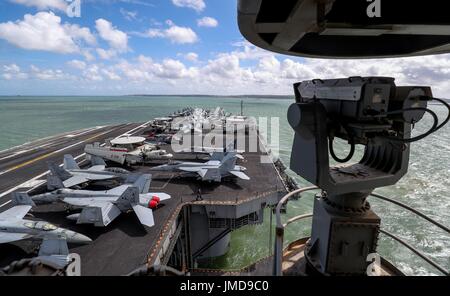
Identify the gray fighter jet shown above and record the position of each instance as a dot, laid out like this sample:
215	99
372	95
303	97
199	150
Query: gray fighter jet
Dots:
54	239
102	207
212	170
72	175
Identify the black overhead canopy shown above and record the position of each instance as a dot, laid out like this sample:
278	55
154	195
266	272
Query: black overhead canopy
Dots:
347	28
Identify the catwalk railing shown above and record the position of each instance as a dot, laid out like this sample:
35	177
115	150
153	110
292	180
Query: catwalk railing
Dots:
280	227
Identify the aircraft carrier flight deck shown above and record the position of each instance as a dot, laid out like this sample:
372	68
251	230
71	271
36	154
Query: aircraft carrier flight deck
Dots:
191	226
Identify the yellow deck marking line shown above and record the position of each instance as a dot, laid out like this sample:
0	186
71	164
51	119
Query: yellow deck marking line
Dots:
76	158
51	153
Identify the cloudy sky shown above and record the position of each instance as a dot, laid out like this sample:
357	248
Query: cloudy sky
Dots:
163	47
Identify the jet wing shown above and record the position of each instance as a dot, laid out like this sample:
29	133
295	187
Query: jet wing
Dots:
75	180
118	190
15	213
99	213
7	237
240	175
97	168
200	171
144	198
145	215
53	246
161	195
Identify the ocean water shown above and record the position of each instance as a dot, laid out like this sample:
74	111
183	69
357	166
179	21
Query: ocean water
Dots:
425	187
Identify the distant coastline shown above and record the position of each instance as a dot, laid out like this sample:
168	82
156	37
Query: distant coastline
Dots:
277	97
281	97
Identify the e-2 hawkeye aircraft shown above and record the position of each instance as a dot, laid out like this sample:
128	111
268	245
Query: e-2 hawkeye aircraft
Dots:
127	151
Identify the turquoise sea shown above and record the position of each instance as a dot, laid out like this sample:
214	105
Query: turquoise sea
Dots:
425	187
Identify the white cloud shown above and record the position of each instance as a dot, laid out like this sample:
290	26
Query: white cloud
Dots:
77	64
191	56
181	35
207	22
92	73
47	74
44	31
116	39
176	34
145	69
12	68
13	71
244	70
129	15
275	74
110	74
77	33
197	5
226	66
88	55
106	54
43	4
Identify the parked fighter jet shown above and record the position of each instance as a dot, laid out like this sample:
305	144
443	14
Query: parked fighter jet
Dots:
215	153
102	207
212	170
54	239
72	175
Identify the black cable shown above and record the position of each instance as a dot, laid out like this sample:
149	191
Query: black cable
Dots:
351	142
417	138
347	158
443	102
433	129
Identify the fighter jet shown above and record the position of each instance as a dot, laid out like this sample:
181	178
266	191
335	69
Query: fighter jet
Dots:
102	207
72	175
215	153
54	239
212	170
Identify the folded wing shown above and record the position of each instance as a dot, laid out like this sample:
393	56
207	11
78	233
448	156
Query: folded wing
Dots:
15	213
6	237
75	180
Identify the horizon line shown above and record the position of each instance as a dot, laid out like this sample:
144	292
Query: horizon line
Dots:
151	95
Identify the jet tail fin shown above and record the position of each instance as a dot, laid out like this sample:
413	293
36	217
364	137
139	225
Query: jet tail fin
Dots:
21	198
144	215
231	146
70	163
143	183
59	171
129	196
228	162
97	160
54	182
217	156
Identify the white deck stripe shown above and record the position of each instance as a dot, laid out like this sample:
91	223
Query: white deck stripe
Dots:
46	172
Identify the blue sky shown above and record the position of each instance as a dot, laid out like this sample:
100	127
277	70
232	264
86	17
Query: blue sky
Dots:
141	17
121	47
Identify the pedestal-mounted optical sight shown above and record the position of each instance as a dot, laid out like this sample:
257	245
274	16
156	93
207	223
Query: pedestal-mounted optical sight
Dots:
371	111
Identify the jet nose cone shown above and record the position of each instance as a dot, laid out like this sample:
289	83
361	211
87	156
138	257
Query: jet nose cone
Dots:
83	239
78	238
